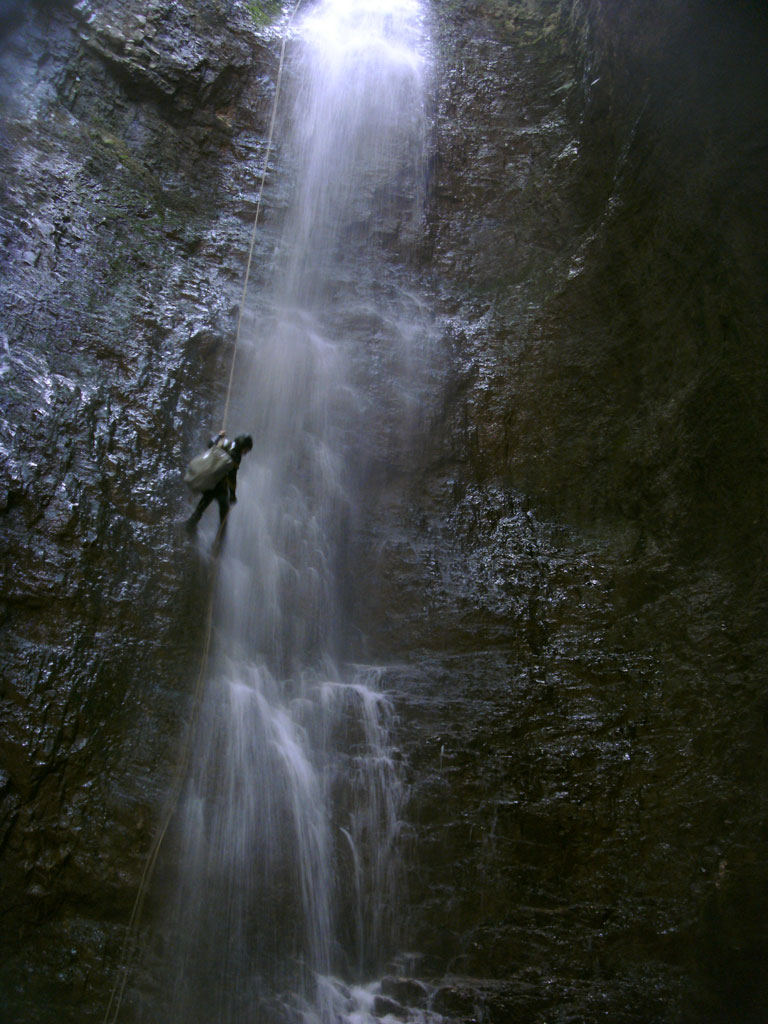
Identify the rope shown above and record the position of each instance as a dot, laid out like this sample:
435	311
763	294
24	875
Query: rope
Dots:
256	218
130	942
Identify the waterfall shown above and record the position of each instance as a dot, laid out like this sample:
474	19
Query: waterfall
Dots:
288	838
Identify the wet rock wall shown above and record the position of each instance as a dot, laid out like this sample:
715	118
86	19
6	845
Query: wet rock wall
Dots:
576	588
132	140
563	575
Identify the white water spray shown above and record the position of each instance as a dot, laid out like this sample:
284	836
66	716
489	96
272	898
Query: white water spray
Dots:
288	844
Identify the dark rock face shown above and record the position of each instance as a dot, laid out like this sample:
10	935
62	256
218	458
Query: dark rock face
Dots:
581	562
564	574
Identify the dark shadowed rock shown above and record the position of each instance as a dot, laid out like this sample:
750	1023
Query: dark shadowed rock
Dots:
384	1006
407	991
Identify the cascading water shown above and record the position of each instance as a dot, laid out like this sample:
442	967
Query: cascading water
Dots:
289	823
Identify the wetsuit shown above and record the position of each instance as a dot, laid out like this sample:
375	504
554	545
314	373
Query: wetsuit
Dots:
225	491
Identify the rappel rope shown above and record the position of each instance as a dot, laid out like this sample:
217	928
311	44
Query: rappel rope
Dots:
130	943
256	219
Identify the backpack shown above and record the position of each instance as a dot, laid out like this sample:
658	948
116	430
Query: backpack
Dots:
207	469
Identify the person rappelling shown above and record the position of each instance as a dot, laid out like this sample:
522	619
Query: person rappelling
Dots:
213	475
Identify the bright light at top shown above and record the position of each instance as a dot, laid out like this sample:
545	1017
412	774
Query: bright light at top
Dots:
389	30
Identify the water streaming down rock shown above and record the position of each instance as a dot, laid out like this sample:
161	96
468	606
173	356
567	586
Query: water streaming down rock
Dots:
288	846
